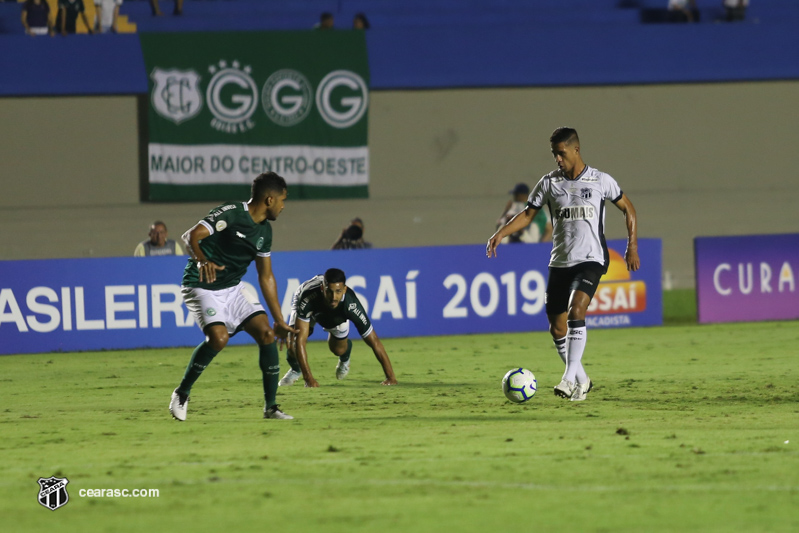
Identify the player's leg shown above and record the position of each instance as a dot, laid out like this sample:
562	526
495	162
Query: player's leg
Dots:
294	372
557	301
209	312
583	288
341	347
269	361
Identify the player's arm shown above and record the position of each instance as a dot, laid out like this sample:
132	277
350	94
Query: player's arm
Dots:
266	279
631	255
376	345
517	223
206	268
301	352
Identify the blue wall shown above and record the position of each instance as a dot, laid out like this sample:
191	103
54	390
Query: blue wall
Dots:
417	44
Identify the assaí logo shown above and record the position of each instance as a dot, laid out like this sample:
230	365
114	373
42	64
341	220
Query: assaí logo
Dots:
617	293
287	97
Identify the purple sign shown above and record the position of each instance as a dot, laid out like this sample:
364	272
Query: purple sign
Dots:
750	278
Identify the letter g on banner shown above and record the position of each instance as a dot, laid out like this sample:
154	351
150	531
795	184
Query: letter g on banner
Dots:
286	97
345	110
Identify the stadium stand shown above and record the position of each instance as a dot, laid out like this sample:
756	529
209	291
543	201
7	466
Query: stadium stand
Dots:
440	43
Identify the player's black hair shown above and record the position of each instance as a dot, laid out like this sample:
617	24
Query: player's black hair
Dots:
158	223
266	183
564	135
334	275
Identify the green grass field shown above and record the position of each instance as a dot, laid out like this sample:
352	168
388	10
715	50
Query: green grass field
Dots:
689	428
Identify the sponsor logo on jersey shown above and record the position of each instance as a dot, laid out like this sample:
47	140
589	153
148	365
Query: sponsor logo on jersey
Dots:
240	235
587	212
210	311
352	307
220	225
259	243
176	94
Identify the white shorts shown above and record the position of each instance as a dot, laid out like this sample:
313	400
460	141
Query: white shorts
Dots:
342	331
231	307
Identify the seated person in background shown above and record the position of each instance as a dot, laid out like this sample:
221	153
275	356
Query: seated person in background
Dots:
157	10
682	10
68	11
36	18
360	22
158	244
735	10
539	230
107	15
351	237
326	21
327	300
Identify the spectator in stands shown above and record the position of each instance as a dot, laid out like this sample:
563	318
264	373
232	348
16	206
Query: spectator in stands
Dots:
326	21
36	18
735	9
158	243
360	22
157	10
107	15
351	237
540	228
68	11
682	11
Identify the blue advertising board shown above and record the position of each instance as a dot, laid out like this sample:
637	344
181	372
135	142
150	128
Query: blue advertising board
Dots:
123	303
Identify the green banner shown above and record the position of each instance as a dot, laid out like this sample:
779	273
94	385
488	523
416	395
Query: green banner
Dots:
225	107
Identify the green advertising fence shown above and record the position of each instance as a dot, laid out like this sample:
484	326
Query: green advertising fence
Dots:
225	107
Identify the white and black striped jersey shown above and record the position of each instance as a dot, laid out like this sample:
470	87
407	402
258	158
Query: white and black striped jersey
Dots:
577	209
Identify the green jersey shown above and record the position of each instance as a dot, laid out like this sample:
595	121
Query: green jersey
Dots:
234	242
310	304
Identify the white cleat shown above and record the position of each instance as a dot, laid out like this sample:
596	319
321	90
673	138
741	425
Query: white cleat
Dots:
342	369
581	391
565	389
178	405
275	413
289	379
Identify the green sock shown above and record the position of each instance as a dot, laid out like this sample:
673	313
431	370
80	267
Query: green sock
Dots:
346	357
269	360
292	361
200	358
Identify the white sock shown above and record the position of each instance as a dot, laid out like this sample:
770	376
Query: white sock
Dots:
560	346
576	346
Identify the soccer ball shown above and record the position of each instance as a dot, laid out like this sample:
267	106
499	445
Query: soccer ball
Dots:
519	385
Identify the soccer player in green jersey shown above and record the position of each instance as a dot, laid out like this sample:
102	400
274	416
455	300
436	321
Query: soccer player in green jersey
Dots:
222	245
327	301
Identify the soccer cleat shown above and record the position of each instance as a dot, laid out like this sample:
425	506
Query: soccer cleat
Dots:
178	405
581	391
342	369
290	377
564	389
275	413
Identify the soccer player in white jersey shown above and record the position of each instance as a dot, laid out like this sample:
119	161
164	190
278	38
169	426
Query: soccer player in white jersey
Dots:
575	195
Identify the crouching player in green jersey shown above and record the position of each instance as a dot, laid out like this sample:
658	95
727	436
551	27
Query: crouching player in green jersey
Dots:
222	246
327	301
